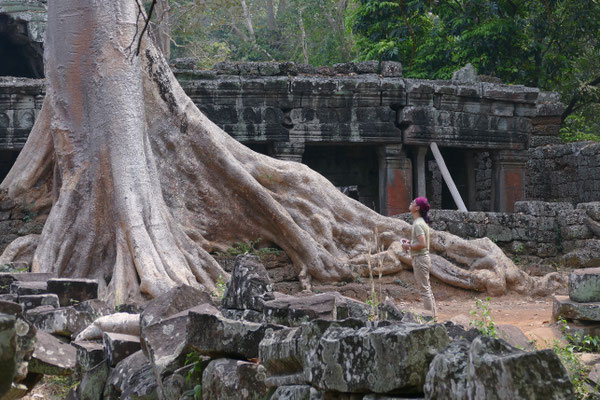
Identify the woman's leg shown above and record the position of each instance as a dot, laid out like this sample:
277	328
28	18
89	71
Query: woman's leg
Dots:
421	266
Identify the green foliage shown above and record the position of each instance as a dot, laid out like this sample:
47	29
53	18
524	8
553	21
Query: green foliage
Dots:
576	369
551	44
483	320
220	287
578	128
194	374
28	213
251	248
218	30
578	340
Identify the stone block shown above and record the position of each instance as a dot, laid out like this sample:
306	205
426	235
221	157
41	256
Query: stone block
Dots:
215	336
367	67
118	346
64	321
564	307
93	381
584	285
51	356
8	351
37	300
132	378
249	286
491	368
21	288
229	379
297	392
344	68
391	69
6	279
293	311
71	291
173	302
89	354
541	208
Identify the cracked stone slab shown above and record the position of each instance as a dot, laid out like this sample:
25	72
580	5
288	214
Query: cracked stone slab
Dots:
51	356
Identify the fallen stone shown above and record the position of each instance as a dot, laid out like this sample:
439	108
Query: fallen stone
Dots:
37	300
8	351
173	302
448	372
564	307
458	331
165	343
226	379
25	332
89	354
95	307
515	337
93	382
72	291
491	368
465	74
118	346
215	336
315	353
249	286
6	279
297	392
64	321
21	288
131	378
9	297
293	311
16	391
379	359
51	356
584	285
246	315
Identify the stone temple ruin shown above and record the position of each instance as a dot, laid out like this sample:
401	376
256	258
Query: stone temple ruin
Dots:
361	125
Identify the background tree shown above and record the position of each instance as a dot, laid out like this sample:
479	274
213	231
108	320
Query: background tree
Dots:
550	44
144	187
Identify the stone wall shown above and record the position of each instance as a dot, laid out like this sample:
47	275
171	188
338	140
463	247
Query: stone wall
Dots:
564	173
558	234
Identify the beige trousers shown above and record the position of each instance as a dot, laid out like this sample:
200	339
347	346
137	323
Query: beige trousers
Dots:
421	267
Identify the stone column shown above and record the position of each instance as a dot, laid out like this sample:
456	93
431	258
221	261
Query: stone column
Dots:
421	184
287	151
508	179
395	180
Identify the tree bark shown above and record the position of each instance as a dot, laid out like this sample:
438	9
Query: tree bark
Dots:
144	187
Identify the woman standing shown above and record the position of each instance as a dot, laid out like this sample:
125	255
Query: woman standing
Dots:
419	250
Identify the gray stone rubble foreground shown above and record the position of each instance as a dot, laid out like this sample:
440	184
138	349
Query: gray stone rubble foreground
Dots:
266	346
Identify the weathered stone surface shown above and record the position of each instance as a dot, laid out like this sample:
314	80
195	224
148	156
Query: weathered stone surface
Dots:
165	343
457	332
118	346
132	378
465	74
515	337
447	377
93	382
379	359
71	291
21	288
89	354
391	69
215	336
26	334
16	391
584	285
506	372
249	286
297	392
343	355
173	302
233	379
564	307
490	368
95	308
8	351
37	300
51	356
293	311
6	279
64	321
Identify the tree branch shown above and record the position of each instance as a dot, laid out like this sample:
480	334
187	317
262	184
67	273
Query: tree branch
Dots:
576	98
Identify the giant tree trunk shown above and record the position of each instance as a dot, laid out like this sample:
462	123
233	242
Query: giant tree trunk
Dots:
145	187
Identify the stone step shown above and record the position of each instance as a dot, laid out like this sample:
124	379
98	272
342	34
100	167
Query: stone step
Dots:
22	288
